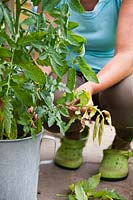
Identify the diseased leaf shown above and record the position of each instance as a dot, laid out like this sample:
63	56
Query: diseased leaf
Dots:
96	126
100	132
93	111
107	117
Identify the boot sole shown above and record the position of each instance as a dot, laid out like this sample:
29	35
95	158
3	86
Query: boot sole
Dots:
113	179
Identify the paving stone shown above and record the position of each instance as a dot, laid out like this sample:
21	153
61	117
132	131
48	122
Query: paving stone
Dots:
55	180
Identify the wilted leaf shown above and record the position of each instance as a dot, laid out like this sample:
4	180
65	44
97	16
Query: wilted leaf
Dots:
100	132
96	126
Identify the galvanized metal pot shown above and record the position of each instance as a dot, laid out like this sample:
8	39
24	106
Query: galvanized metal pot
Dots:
19	168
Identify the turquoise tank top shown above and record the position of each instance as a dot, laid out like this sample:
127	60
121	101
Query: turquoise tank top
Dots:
99	28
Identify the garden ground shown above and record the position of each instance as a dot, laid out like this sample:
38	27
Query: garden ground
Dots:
55	180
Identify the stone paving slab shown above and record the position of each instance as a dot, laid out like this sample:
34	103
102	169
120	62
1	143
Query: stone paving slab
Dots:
54	180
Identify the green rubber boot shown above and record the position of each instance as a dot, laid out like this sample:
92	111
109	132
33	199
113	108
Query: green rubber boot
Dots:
114	165
69	154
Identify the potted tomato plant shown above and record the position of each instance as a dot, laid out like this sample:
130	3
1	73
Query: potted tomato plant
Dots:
26	92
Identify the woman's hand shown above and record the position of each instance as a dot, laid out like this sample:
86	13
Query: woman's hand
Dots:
82	102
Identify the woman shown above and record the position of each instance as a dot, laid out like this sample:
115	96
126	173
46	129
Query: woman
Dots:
107	26
109	51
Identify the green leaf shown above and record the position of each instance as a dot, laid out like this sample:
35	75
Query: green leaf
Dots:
64	111
86	70
57	58
23	96
5	38
114	195
57	69
34	73
13	133
51	120
71	121
35	2
5	53
74	39
94	181
8	116
72	25
21	58
100	132
71	79
8	19
84	97
49	4
76	6
65	9
72	197
55	13
106	194
79	192
32	37
90	185
1	14
61	125
96	126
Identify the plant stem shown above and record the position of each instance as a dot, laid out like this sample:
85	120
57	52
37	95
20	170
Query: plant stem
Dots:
30	11
9	76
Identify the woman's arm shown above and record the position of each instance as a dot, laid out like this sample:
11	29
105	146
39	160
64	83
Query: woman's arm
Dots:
121	65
